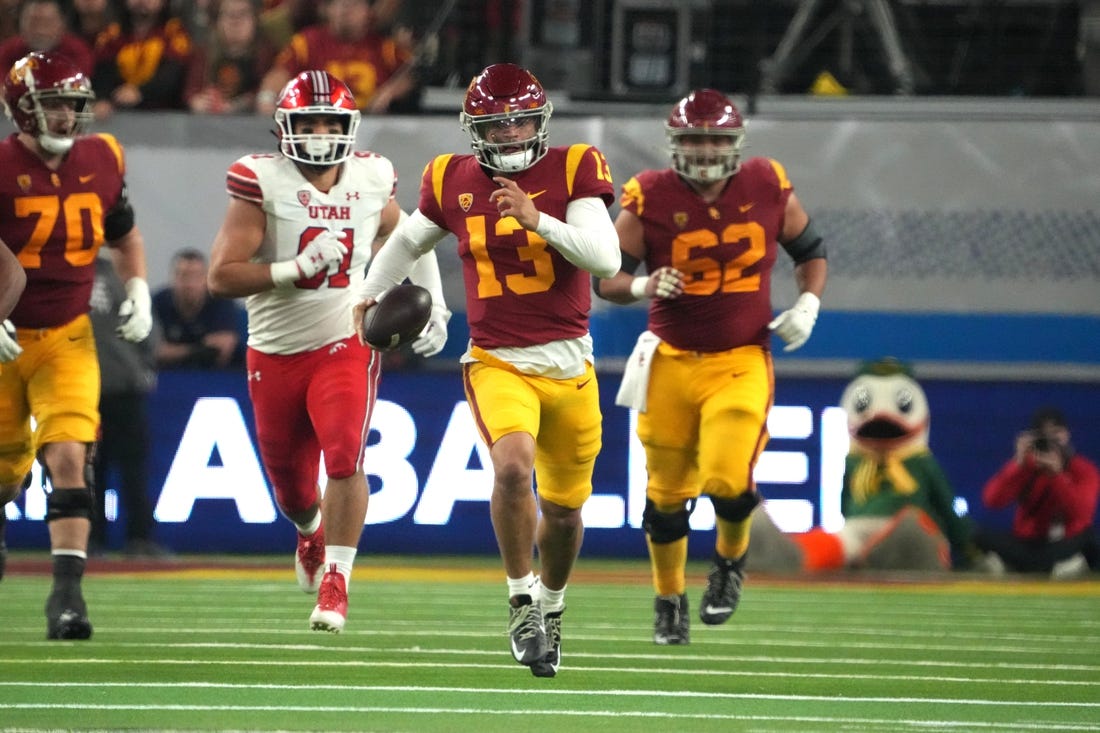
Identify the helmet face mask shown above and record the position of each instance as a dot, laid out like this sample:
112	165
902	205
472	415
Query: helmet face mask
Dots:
49	98
705	135
314	94
501	102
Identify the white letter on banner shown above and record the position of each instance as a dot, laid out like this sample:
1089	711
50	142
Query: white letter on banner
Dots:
216	422
388	460
834	449
451	479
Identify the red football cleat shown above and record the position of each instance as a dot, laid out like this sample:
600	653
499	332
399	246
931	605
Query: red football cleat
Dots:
331	610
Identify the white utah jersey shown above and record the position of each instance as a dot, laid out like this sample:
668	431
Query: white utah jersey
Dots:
311	312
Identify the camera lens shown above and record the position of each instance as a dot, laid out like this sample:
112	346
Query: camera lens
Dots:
1042	444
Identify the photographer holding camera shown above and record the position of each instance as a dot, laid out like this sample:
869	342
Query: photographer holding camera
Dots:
1055	492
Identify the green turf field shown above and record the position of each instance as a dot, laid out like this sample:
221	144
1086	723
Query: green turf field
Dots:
425	650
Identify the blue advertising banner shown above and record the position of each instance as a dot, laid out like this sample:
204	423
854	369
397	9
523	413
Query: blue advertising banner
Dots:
430	476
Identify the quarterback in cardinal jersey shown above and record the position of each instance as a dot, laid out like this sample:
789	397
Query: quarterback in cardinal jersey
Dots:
62	197
298	234
708	229
532	224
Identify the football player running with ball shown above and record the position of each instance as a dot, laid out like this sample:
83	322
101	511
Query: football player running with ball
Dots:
62	197
299	230
708	230
531	222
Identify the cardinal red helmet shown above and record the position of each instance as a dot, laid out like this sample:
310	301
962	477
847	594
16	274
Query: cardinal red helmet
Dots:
705	134
316	93
501	97
39	91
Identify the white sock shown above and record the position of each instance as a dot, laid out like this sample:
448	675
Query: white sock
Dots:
552	600
343	558
311	526
527	585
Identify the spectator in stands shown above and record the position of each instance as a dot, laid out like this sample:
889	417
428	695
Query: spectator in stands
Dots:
197	330
1055	492
197	17
141	61
127	377
281	19
347	46
44	27
225	74
92	17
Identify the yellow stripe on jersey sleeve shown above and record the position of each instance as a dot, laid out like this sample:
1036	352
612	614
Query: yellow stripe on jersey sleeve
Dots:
439	167
572	163
113	144
632	191
781	173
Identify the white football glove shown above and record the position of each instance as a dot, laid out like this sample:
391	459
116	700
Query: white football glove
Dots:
326	249
9	347
136	312
434	336
795	324
664	282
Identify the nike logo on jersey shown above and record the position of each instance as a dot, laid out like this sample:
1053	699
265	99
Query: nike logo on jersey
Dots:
745	207
85	179
337	346
582	385
536	194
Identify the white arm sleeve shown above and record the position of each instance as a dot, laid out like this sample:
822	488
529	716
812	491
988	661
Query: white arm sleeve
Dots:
587	237
425	273
413	237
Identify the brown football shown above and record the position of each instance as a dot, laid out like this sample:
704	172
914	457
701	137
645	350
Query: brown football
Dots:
398	318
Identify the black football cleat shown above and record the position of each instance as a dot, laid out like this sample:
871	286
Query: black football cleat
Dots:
67	615
723	591
526	630
548	665
670	620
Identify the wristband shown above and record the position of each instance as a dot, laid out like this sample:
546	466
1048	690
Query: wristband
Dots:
637	287
285	272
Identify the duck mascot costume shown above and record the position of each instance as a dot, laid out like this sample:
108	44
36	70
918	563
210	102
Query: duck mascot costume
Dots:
898	504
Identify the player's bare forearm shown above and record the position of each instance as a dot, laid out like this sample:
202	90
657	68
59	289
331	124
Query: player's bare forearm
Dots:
128	255
617	288
810	276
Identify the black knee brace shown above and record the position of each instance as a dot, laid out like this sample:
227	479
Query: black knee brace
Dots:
68	503
663	527
737	509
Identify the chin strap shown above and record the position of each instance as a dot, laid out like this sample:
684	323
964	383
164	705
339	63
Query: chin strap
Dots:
54	144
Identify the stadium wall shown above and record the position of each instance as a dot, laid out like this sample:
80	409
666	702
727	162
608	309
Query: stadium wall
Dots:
958	236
